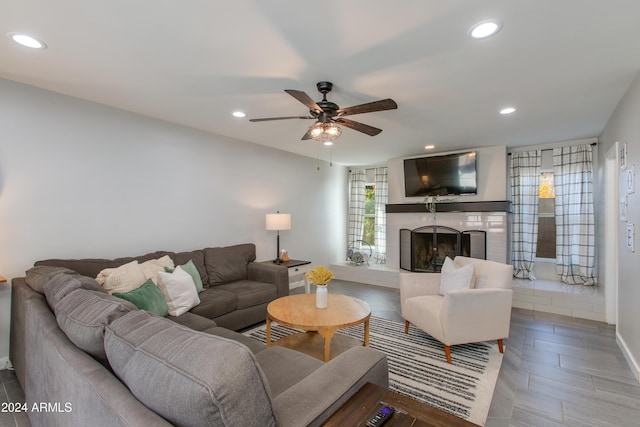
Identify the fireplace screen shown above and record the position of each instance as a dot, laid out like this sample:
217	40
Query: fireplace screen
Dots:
425	248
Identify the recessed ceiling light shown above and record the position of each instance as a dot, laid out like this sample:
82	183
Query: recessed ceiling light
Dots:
27	41
239	114
328	143
507	110
429	147
484	29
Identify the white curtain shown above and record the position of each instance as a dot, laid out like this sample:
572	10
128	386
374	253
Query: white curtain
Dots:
357	183
524	176
575	222
382	198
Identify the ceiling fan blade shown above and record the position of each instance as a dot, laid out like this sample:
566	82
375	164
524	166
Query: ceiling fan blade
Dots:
280	118
360	127
370	107
305	99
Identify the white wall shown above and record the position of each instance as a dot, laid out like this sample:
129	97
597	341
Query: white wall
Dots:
491	170
624	126
78	180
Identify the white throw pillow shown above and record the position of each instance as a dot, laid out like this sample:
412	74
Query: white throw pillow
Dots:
454	278
179	291
152	267
122	279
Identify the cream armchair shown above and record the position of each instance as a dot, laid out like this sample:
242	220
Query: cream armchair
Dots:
481	312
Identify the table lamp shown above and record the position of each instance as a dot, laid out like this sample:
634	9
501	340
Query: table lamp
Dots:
278	221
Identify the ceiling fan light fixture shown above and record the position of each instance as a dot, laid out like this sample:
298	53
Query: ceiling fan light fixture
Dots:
325	132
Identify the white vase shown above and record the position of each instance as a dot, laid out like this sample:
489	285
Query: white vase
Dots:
321	296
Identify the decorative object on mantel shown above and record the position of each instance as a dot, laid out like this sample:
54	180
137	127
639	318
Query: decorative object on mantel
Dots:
356	255
431	201
276	222
321	276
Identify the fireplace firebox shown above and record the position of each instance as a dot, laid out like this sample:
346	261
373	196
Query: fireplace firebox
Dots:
424	249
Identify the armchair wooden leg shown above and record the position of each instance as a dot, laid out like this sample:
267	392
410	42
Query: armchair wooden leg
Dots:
447	351
500	346
406	326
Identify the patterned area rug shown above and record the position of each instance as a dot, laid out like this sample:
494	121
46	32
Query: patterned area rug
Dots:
418	367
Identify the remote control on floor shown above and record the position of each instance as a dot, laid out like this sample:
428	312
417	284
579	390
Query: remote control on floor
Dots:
381	416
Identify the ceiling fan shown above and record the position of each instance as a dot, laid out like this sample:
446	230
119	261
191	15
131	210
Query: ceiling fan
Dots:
327	114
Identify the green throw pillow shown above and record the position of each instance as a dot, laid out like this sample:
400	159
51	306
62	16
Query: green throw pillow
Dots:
190	268
147	297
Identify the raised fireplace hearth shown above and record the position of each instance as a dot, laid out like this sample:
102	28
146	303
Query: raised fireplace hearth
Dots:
424	249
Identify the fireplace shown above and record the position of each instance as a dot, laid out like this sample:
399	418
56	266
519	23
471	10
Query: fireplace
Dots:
424	249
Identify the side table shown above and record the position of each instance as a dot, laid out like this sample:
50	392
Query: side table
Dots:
295	268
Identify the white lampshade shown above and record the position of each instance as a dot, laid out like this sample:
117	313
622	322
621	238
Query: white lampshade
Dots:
279	221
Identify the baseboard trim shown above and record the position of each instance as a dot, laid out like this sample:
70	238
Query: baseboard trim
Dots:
633	364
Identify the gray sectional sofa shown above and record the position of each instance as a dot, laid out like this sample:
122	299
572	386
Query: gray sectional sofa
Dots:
107	363
237	289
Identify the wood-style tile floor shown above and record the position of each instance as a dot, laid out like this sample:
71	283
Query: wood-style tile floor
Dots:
556	371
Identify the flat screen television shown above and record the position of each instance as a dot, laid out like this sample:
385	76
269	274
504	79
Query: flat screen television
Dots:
451	174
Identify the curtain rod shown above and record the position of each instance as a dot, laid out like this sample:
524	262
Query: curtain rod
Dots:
593	144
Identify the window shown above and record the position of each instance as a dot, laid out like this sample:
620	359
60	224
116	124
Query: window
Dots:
368	233
546	245
368	197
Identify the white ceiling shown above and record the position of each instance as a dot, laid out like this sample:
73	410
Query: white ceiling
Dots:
565	64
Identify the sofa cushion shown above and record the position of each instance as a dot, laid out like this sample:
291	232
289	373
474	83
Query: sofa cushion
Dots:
228	264
63	284
193	321
197	258
254	345
151	267
284	367
215	302
92	266
124	278
87	267
146	297
82	315
39	276
59	287
178	290
190	268
213	381
250	293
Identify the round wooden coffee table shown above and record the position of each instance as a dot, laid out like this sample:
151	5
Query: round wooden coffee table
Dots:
319	324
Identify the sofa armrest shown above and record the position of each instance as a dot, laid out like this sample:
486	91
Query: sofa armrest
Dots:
270	273
314	399
488	310
418	284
